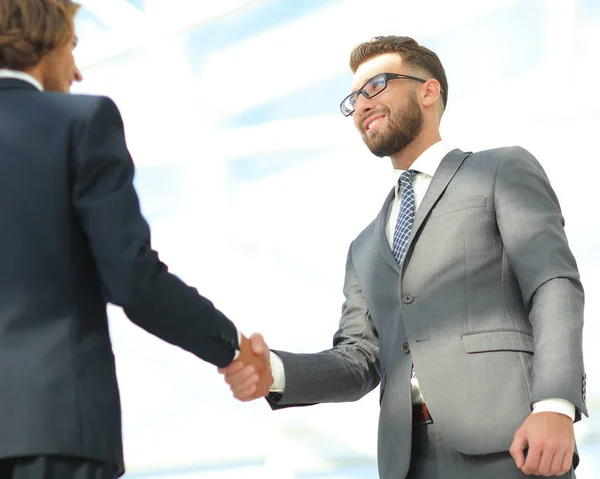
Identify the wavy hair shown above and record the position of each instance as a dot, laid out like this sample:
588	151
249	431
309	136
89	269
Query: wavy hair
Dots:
30	29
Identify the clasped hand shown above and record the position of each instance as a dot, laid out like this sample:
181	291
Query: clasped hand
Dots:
250	376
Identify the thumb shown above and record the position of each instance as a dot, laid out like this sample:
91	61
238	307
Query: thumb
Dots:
518	446
258	344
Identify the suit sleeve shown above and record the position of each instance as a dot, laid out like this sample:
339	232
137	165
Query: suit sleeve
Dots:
532	229
132	275
346	372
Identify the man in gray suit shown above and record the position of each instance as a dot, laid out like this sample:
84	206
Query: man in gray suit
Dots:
462	297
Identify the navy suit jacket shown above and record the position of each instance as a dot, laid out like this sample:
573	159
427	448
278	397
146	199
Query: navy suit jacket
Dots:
72	238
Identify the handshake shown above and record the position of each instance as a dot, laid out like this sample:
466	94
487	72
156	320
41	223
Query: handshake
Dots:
249	376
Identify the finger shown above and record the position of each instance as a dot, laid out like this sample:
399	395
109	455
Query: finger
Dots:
517	447
546	459
241	376
557	464
232	368
260	361
250	381
247	394
258	344
567	460
532	462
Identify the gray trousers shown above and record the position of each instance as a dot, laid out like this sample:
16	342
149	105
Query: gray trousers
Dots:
433	458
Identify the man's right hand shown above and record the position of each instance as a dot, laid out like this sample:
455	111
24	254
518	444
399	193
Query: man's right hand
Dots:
249	376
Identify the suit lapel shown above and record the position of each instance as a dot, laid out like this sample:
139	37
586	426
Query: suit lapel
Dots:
445	172
380	238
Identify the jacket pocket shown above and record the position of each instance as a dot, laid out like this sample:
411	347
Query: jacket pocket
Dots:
498	340
443	208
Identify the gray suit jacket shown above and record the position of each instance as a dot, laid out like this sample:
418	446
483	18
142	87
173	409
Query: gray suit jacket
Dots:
488	306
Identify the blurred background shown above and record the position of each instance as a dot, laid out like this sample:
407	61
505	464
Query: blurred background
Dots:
255	185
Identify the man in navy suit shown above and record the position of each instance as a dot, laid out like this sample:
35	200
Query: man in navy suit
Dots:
72	239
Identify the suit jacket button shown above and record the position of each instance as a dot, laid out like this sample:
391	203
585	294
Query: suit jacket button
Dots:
405	347
407	298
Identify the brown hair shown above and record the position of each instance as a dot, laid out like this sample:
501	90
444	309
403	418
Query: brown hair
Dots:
413	54
29	29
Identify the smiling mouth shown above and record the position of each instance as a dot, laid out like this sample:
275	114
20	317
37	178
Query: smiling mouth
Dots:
371	124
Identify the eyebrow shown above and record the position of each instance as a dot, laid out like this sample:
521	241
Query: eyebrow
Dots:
364	83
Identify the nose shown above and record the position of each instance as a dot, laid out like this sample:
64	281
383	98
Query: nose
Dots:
77	76
362	106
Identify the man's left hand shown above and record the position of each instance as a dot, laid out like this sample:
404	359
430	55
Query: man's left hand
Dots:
550	439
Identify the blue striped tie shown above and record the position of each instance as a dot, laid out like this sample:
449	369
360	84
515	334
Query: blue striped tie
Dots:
406	216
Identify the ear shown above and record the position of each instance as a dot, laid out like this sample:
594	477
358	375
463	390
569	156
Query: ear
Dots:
431	92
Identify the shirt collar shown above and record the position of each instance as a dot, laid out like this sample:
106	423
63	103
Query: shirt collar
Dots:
5	73
427	162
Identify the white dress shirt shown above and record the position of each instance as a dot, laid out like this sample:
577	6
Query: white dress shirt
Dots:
16	75
426	164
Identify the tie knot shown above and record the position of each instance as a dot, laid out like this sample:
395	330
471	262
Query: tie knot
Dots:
407	176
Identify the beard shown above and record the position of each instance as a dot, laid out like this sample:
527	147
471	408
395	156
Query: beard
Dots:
403	127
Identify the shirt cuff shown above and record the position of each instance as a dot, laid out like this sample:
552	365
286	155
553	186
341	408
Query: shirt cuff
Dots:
278	372
561	406
236	353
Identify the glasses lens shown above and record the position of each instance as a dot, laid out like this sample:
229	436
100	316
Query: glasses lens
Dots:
374	86
347	105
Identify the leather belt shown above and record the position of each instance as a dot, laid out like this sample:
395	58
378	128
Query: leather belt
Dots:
421	415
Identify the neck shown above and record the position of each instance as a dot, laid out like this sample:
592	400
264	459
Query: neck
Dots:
405	158
36	72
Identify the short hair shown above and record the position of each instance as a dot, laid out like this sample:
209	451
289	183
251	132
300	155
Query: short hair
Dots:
413	54
30	29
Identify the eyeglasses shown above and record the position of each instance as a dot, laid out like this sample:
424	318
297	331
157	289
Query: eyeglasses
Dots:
371	88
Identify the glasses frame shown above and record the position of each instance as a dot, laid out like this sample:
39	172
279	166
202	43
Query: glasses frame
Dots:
386	77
